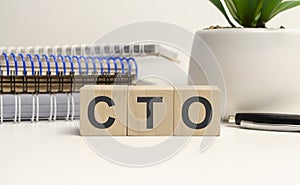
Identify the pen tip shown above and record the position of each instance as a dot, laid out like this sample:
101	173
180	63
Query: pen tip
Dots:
231	119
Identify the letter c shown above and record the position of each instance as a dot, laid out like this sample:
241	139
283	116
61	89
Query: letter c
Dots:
91	110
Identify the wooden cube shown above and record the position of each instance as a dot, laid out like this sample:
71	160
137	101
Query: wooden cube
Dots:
197	111
103	110
150	111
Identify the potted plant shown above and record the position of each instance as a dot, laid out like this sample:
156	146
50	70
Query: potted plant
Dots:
260	65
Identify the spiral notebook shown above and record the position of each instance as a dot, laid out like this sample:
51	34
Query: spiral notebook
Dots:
43	83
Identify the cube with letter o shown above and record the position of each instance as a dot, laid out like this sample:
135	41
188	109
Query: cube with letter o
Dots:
197	111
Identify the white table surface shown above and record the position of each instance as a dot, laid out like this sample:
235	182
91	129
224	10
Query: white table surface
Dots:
54	153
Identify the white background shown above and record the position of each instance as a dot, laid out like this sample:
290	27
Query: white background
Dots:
59	22
48	153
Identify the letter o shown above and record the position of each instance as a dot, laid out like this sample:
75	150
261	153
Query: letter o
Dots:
185	111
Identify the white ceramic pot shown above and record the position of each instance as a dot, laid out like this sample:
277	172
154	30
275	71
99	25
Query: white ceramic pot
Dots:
261	68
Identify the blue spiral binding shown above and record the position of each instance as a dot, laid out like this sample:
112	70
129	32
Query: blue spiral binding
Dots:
101	64
71	62
108	65
24	64
32	63
122	64
7	63
78	62
94	64
64	63
115	63
135	64
48	62
40	63
56	64
16	62
128	64
86	64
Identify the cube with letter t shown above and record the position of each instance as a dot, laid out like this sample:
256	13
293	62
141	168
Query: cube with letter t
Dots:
150	111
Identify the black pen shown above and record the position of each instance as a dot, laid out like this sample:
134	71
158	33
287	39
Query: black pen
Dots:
266	121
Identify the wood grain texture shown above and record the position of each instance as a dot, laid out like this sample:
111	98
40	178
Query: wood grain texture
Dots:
102	111
162	111
197	110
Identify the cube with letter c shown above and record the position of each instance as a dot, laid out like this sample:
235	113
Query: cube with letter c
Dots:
103	110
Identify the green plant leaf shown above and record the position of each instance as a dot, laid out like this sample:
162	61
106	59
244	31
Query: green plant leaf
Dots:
220	6
232	9
283	6
248	11
257	13
267	9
